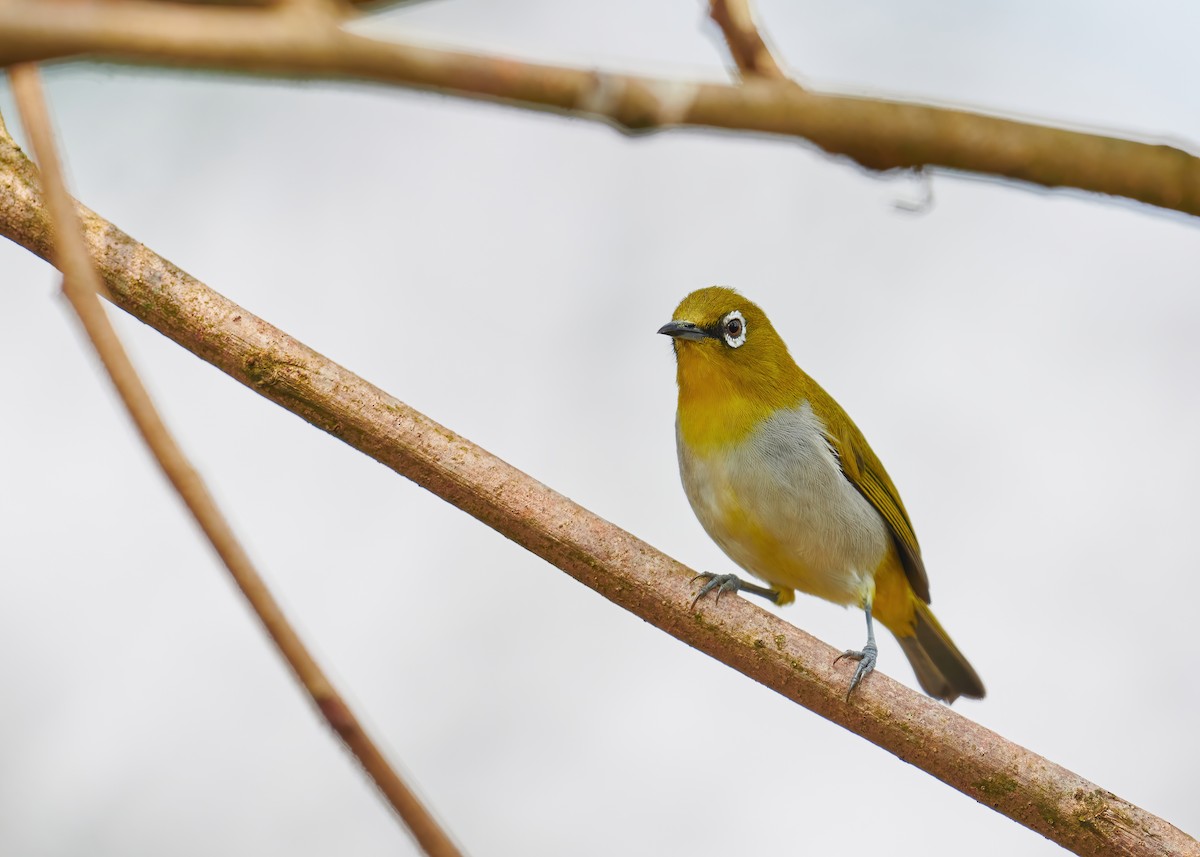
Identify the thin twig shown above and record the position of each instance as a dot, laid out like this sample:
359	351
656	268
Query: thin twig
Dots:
875	133
746	45
994	771
81	284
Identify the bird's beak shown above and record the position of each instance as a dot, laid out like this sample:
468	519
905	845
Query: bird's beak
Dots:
684	330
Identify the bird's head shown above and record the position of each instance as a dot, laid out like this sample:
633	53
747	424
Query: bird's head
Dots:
726	346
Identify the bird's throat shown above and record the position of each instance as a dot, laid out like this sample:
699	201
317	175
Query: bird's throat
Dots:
717	408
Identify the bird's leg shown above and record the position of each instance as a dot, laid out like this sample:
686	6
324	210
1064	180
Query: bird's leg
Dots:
866	658
731	583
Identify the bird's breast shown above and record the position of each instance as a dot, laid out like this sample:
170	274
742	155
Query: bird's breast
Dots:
779	505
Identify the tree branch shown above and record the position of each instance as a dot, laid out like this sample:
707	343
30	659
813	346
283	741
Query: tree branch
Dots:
875	133
81	285
1012	780
750	53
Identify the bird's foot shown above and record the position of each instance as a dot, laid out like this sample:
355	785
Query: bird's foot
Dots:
719	582
866	663
730	583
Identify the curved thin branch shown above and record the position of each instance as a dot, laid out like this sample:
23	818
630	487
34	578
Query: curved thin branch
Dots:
994	771
81	285
875	133
746	45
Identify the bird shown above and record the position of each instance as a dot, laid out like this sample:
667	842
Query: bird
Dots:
785	483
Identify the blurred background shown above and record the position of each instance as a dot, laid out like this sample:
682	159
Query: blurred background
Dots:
1024	363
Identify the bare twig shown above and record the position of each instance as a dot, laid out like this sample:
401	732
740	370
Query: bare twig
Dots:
877	134
746	45
1012	780
81	284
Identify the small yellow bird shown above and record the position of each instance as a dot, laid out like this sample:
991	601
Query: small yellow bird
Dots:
785	483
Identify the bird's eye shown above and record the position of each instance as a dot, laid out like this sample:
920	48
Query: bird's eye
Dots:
734	327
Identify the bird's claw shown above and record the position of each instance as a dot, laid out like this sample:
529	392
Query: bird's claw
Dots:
866	664
719	582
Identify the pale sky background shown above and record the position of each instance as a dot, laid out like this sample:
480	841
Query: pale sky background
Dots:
1025	363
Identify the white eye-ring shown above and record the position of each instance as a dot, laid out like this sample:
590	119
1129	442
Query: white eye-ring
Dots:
733	326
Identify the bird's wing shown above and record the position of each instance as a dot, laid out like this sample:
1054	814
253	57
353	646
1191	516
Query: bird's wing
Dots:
866	473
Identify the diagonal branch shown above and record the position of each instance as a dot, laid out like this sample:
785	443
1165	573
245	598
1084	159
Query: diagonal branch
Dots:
983	765
746	45
875	133
81	285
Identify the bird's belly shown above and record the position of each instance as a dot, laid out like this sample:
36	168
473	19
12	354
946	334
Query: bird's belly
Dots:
780	507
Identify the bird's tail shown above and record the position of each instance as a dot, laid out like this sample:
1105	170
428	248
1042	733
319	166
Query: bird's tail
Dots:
940	667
